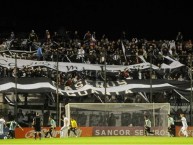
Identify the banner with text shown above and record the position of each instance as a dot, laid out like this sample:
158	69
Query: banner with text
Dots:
127	131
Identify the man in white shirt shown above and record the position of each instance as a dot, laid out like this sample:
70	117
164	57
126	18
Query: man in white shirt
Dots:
64	129
147	126
2	124
184	125
80	54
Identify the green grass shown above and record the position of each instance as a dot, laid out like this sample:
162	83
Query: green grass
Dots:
103	140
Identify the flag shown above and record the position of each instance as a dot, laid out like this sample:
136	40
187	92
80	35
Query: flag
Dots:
123	48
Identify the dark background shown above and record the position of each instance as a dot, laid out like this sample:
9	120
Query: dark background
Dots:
159	19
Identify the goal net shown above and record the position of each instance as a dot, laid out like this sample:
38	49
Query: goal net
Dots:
118	114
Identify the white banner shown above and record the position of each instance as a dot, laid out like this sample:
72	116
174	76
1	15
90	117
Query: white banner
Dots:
66	67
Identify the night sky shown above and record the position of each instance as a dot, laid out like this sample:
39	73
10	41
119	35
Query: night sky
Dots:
159	19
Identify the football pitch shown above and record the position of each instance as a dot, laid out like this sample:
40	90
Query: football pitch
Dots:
122	140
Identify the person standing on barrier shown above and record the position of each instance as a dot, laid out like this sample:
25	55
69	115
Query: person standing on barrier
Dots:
73	127
147	126
64	129
37	123
171	126
52	127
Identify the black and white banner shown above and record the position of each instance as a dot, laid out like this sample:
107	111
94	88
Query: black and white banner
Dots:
30	85
67	67
83	88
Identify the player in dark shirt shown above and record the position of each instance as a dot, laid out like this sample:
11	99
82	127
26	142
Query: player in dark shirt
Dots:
37	123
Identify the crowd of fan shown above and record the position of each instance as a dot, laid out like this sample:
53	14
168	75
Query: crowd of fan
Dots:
92	49
71	47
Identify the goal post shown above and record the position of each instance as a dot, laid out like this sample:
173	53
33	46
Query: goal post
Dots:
117	114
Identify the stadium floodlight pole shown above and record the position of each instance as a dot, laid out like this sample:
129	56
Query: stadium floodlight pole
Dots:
16	97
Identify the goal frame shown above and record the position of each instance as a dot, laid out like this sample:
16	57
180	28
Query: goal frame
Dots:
68	114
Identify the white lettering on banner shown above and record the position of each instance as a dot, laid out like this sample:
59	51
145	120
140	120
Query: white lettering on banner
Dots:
139	132
125	131
122	82
97	132
110	132
122	132
161	132
99	84
79	85
70	94
115	132
121	89
83	93
71	68
83	88
67	88
30	134
103	133
110	84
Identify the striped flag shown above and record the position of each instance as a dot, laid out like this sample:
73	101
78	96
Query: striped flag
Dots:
123	48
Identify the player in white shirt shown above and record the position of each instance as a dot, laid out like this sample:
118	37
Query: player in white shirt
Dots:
2	124
64	129
147	126
2	120
184	125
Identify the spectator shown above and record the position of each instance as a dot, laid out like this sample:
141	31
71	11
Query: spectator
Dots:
33	36
39	54
112	120
47	37
179	37
12	36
